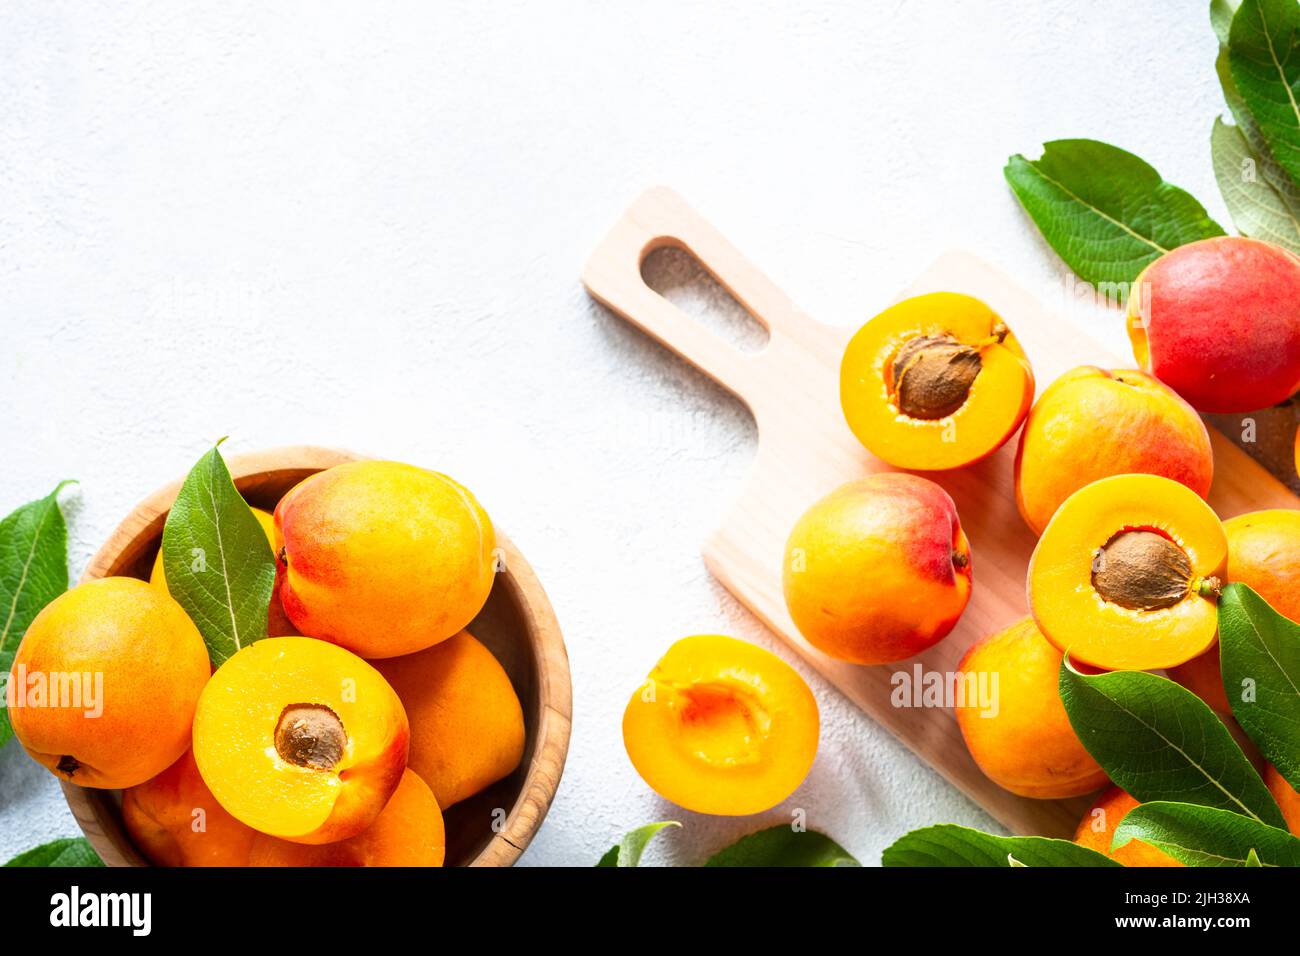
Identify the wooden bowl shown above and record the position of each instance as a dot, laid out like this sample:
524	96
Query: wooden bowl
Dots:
517	624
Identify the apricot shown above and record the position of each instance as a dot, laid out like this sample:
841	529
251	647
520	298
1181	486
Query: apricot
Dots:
1092	423
106	681
878	570
407	832
1018	732
467	726
721	726
1127	574
1097	829
1286	796
300	739
1218	321
937	381
174	820
383	558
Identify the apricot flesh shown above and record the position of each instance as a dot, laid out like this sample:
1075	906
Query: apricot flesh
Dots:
1019	734
300	739
1091	423
1127	573
1097	829
408	832
1219	322
383	558
467	725
151	664
936	381
722	726
878	570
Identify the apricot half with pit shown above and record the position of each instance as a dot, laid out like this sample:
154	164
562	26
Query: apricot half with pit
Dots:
721	726
937	381
300	739
1127	574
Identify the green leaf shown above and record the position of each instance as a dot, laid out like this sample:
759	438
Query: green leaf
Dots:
1252	858
1259	209
217	561
1159	741
782	845
1221	13
627	851
1259	649
70	851
1265	64
950	845
1202	836
1107	213
33	572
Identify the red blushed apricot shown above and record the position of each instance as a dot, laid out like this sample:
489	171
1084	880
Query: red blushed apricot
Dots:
937	381
1127	574
1218	321
721	726
1097	829
1092	423
174	820
300	739
407	832
878	570
1019	733
1286	796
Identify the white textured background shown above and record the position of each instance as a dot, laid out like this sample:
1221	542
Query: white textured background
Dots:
361	225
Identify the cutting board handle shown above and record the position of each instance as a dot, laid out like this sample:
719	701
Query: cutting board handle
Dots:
659	219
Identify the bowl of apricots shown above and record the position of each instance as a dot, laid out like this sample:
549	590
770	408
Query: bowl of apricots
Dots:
409	705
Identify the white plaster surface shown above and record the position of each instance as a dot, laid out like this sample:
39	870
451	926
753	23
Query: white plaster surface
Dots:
361	225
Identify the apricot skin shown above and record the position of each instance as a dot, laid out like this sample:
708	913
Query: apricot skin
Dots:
383	558
1107	813
1091	423
467	726
154	666
174	820
1286	796
878	570
408	832
1222	323
1027	746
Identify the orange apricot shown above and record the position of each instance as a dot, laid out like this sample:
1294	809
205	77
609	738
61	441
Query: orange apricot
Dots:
878	570
1204	678
105	683
467	726
721	726
936	381
407	832
1091	423
300	739
174	820
1127	573
1097	829
1286	796
383	558
1013	721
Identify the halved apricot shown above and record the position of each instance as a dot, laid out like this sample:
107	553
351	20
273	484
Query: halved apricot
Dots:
1127	574
721	726
937	381
300	739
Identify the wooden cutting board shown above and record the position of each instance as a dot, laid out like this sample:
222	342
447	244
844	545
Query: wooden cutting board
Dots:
805	450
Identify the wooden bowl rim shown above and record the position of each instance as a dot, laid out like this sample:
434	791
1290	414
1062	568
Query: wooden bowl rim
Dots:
94	810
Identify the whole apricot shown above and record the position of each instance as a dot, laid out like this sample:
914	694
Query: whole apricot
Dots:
721	726
407	832
174	820
300	739
383	558
1097	829
106	681
1218	321
1091	423
878	570
1286	796
467	726
1013	721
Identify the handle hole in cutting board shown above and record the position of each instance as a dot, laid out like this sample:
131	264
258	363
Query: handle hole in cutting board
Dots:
678	276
